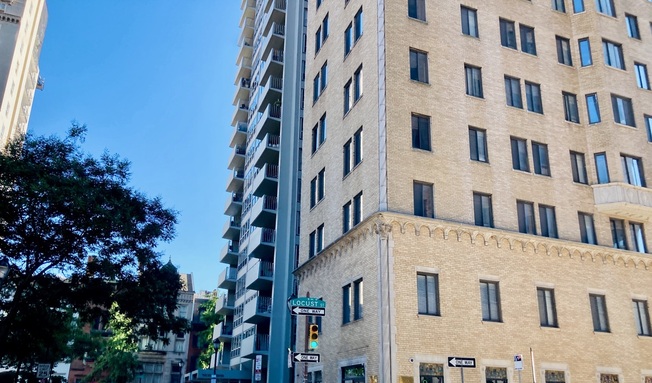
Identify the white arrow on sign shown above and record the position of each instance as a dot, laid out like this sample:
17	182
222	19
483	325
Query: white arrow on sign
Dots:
308	311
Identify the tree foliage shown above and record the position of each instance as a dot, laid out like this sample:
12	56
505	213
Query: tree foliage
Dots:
209	318
78	239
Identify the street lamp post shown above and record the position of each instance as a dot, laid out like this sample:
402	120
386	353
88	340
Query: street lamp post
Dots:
216	347
181	370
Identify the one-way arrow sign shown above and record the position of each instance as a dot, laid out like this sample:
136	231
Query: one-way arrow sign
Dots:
306	357
456	361
297	310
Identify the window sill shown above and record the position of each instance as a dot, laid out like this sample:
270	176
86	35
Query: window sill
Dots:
609	67
474	97
581	184
644	336
546	176
474	38
425	22
492	321
601	333
352	321
419	82
519	171
573	123
419	150
428	315
549	328
484	163
625	126
351	171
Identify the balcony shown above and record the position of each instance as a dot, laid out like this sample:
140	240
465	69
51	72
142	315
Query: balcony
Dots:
263	213
257	309
274	13
273	39
261	243
227	278
266	181
242	92
244	71
270	93
266	151
247	25
229	253
224	332
231	230
225	304
236	160
233	204
241	112
257	344
246	49
239	135
271	64
260	275
268	122
248	8
623	200
235	181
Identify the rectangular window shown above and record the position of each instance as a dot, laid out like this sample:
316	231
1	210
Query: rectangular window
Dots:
599	313
469	21
346	217
571	113
348	39
533	96
648	125
358	300
428	294
528	43
473	81
420	132
632	26
352	152
618	234
613	54
638	237
318	40
357	147
478	144
490	298
322	129
578	167
585	52
547	310
417	9
320	185
484	215
605	7
323	73
324	29
357	209
525	212
563	51
633	170
423	200
348	97
315	87
578	6
346	304
313	192
519	154
540	159
513	92
593	108
642	317
320	239
553	376
311	244
601	168
507	34
357	84
357	22
587	230
548	221
558	5
418	66
642	80
346	158
623	111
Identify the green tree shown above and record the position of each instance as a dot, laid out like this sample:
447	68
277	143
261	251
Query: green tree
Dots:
209	318
78	239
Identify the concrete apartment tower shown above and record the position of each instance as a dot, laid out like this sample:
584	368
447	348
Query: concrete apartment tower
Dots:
481	190
264	184
22	27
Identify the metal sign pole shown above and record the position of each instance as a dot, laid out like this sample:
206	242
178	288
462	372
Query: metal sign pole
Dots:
519	376
462	373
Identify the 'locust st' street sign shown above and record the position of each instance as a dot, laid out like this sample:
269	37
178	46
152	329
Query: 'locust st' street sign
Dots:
307	306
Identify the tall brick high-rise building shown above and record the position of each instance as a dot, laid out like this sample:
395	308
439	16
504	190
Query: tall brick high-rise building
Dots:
481	190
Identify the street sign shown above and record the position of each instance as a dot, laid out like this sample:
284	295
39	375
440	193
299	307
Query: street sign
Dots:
307	306
320	312
306	357
456	361
43	371
518	362
258	367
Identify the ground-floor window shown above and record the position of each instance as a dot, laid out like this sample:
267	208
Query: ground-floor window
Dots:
555	376
353	374
314	377
496	375
648	379
431	373
609	378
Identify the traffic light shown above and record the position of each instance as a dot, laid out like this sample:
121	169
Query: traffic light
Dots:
313	336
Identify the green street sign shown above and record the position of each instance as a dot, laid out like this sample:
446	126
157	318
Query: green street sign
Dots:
307	302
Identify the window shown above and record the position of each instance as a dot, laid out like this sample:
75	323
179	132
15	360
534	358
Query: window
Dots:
320	81
642	318
587	230
319	133
571	113
352	298
317	40
578	168
348	97
609	378
478	145
648	125
482	208
313	192
423	200
547	311
585	52
357	23
496	374
548	221
599	313
346	217
473	81
357	84
513	92
357	209
348	39
417	9
558	5
605	7
320	185
432	372
346	304
320	239
601	168
352	152
613	54
642	80
632	26
578	6
490	301
592	108
519	154
418	66
540	158
420	132
469	21
638	237
318	3
623	111
525	212
528	44
358	300
321	35
618	234
633	170
428	294
563	51
552	376
533	96
507	34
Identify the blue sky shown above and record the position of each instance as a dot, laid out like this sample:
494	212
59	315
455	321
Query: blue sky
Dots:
153	81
